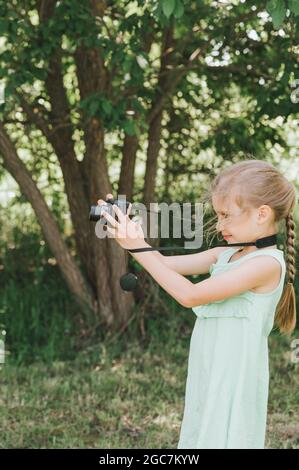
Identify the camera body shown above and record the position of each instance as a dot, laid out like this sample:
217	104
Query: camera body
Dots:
96	212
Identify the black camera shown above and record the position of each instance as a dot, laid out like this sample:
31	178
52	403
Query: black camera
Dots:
96	212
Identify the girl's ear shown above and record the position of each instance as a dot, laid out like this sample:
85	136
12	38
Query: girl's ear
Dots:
264	213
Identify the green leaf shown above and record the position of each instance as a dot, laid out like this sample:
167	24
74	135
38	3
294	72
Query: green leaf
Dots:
277	9
93	107
3	26
179	9
168	7
294	6
107	107
129	127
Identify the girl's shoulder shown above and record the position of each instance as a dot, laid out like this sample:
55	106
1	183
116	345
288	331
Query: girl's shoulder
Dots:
221	249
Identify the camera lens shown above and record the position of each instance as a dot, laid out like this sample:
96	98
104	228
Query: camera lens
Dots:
95	213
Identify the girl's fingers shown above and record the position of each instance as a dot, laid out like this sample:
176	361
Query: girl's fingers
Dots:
111	230
108	196
118	212
100	203
110	219
129	209
121	216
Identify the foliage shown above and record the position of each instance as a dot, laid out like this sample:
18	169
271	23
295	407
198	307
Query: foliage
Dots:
224	74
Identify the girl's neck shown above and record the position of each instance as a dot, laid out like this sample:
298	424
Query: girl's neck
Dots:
248	249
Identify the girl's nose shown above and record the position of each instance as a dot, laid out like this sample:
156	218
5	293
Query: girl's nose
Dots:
218	225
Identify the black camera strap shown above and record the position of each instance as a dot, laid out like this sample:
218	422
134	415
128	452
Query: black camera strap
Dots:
259	243
128	281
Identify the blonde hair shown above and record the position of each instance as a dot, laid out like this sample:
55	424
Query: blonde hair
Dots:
254	183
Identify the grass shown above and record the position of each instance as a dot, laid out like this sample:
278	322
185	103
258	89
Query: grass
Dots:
103	398
283	406
128	393
125	391
36	309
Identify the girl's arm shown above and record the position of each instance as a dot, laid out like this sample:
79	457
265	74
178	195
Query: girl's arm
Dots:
196	263
255	272
250	274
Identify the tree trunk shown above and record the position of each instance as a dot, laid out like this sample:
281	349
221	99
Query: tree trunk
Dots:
126	180
154	136
110	259
70	271
88	180
60	137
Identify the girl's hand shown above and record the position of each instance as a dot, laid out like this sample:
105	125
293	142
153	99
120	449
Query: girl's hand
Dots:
127	233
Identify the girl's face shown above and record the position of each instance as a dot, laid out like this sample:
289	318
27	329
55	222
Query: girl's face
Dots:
237	225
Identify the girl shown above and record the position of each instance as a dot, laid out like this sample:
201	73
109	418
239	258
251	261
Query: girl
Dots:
228	376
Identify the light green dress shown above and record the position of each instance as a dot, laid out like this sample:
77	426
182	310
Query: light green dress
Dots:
228	375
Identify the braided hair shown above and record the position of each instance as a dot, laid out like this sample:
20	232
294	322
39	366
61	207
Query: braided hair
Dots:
285	317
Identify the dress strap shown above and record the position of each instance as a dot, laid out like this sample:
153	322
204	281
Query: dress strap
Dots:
274	252
278	254
227	254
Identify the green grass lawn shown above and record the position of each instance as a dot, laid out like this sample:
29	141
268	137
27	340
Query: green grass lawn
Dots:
128	393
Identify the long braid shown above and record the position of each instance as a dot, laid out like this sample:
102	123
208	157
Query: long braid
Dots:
291	236
285	317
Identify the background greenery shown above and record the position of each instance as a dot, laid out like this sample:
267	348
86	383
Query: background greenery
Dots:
68	380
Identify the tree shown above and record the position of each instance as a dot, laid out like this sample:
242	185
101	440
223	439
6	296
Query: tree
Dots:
77	70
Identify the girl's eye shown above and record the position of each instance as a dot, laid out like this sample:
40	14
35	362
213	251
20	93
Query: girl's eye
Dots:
224	216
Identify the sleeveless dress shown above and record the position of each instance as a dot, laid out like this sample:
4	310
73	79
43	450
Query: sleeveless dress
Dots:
227	383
